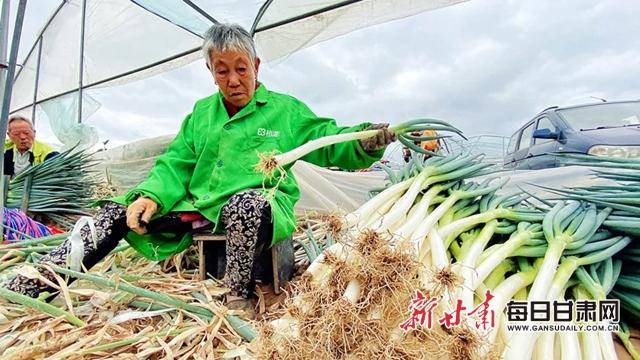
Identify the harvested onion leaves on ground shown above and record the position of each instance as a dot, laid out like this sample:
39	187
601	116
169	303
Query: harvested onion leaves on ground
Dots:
125	305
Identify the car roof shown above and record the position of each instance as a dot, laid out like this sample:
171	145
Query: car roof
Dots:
555	108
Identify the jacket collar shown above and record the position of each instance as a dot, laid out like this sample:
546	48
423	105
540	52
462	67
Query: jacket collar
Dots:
260	97
261	94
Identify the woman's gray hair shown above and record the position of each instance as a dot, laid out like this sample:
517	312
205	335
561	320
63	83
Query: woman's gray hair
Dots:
224	37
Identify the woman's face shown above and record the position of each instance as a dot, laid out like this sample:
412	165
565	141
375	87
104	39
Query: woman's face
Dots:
236	75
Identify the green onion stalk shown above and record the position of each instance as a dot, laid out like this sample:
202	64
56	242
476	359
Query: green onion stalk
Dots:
572	264
445	175
474	273
416	163
507	289
569	340
420	209
40	306
421	214
319	272
460	204
379	205
491	208
621	197
625	337
597	281
423	180
428	228
436	176
55	239
269	163
395	201
475	268
566	226
563	225
627	290
431	204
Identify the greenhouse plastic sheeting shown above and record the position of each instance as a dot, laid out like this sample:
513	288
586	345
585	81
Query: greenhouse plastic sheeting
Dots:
62	115
277	36
160	35
113	28
125	166
322	190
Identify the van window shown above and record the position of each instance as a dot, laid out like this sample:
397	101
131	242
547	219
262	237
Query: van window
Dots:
513	141
602	115
527	134
544	123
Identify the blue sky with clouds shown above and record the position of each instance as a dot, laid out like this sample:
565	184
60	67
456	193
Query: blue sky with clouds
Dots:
485	65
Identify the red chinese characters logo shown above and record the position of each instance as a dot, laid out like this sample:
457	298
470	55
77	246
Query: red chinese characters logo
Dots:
421	312
422	308
487	317
453	318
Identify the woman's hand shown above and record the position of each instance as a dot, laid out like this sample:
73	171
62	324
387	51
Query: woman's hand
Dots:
140	210
382	139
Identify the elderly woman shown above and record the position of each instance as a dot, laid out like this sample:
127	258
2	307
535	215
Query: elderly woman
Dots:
206	177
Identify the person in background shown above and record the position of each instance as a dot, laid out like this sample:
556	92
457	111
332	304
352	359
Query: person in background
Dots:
22	150
429	145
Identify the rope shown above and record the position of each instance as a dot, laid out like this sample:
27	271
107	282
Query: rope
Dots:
18	226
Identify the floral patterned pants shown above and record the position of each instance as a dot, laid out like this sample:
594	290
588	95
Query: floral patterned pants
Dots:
246	217
247	221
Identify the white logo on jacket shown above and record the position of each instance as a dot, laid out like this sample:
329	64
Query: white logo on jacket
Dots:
268	133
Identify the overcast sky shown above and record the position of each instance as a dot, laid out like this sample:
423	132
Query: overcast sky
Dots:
485	65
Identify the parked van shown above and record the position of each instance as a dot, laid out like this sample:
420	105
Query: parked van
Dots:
605	128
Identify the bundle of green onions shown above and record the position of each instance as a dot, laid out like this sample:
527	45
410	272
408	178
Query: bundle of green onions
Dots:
58	187
363	283
435	230
269	163
627	290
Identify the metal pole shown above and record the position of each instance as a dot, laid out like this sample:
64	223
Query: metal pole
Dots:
35	87
11	70
81	75
7	85
4	37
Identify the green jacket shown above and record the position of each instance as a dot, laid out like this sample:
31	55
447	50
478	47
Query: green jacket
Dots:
212	158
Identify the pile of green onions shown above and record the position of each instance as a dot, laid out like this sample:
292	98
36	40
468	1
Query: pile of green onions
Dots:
58	187
466	237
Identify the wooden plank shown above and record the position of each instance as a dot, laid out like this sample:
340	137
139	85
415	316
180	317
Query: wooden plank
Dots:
199	238
201	264
209	237
274	268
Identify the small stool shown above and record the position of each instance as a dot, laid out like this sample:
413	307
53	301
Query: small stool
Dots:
212	259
